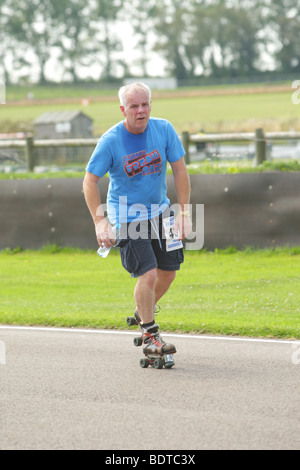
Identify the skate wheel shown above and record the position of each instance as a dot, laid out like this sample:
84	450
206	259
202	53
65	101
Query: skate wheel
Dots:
158	363
144	363
138	341
169	361
168	365
131	321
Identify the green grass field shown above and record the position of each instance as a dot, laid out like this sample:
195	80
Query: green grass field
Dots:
214	113
252	293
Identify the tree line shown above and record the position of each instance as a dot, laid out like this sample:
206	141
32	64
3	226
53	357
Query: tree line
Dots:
214	38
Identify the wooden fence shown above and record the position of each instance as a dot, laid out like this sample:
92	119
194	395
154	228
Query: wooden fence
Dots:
259	137
30	144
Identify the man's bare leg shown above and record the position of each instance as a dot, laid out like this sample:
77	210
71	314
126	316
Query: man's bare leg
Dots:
151	287
144	295
163	282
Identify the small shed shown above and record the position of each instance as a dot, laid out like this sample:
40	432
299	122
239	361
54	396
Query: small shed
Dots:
63	125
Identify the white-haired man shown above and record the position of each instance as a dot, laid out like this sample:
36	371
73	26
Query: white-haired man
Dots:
135	153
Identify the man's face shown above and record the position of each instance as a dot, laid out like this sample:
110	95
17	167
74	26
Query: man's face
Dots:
136	111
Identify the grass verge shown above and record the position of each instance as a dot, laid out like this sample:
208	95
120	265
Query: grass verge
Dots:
195	168
249	293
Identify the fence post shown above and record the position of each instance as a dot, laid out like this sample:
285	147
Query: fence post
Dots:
260	147
185	139
29	153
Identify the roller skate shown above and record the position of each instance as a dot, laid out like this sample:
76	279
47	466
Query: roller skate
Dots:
158	353
136	320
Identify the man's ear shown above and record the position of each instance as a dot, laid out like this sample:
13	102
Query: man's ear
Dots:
122	108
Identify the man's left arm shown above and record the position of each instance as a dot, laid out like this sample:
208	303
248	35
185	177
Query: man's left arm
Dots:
183	190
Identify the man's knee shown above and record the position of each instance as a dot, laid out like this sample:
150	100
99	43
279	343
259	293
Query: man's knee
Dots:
166	276
149	278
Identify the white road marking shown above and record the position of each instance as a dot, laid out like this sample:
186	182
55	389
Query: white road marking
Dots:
171	335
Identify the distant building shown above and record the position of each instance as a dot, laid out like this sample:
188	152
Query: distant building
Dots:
63	125
155	83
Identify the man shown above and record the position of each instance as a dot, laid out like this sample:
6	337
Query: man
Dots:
135	153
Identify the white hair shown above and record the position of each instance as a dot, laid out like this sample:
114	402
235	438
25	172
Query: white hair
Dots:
124	90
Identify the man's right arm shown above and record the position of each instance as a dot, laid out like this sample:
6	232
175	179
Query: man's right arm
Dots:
92	198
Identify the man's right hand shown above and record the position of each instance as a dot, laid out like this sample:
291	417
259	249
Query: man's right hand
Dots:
104	233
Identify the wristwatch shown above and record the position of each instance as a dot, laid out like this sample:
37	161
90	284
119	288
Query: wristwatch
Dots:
185	213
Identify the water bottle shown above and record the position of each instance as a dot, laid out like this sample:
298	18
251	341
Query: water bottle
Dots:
103	251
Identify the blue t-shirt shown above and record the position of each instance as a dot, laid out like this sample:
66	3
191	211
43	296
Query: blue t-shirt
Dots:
137	167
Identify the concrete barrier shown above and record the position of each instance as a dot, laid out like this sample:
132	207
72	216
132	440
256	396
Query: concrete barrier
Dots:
259	210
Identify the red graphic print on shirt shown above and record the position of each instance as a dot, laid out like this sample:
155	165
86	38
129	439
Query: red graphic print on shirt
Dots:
142	163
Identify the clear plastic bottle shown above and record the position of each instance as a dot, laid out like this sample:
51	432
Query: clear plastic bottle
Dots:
102	250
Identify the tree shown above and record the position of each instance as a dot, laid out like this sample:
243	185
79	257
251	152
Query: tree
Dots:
214	37
141	16
194	37
173	35
4	40
227	37
240	49
75	38
284	17
203	44
30	27
106	13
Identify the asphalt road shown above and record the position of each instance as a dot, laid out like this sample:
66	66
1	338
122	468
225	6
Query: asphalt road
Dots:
77	389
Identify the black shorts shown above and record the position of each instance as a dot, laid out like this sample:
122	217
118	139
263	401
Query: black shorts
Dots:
140	255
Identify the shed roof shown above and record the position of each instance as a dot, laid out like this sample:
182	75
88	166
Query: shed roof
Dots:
58	116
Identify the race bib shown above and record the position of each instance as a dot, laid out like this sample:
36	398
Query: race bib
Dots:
172	238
